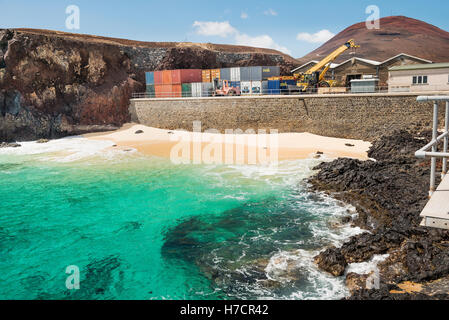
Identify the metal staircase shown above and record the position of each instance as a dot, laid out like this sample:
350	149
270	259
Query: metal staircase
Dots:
436	212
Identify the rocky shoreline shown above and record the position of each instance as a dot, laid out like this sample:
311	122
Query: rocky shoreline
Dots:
389	194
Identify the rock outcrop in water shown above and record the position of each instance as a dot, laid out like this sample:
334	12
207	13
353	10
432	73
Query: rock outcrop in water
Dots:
389	195
54	84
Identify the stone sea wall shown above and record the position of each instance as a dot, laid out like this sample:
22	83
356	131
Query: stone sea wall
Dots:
343	116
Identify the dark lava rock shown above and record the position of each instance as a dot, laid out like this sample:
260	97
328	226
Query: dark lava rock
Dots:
349	145
42	141
389	195
9	145
332	261
139	132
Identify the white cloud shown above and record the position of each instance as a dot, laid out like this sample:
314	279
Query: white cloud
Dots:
270	12
224	29
244	15
319	37
263	41
211	28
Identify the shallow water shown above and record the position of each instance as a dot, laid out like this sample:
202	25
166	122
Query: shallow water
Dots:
141	227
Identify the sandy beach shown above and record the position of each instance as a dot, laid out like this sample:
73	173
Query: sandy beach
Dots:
240	148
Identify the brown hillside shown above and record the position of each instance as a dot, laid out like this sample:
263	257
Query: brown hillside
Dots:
397	34
145	44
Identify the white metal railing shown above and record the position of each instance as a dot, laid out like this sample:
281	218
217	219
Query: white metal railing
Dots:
434	154
331	90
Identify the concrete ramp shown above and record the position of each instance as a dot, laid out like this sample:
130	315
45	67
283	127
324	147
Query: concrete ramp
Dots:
436	212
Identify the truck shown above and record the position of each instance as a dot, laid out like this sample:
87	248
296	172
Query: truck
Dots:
223	88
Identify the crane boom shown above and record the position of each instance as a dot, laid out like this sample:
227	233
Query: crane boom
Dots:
313	77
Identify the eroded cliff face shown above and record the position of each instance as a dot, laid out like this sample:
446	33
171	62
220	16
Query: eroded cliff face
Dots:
55	84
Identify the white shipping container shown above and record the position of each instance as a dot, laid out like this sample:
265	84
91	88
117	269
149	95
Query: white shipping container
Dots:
235	74
206	89
264	87
256	87
196	89
245	87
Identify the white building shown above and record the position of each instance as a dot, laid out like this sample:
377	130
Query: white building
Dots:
419	78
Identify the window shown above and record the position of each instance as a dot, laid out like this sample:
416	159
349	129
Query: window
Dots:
420	79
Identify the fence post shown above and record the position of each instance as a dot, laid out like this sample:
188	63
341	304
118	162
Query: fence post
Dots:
446	141
434	149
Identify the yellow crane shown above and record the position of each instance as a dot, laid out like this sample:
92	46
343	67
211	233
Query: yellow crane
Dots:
314	77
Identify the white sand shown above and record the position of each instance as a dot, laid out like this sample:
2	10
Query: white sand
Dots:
290	146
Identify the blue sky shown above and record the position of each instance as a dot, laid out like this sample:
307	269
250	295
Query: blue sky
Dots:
272	24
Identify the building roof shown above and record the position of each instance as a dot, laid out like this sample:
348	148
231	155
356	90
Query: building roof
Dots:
372	62
408	55
420	66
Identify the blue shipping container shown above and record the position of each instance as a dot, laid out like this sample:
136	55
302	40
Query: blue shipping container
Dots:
284	85
274	87
235	84
149	77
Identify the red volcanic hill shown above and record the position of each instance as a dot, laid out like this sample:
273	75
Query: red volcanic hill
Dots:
396	35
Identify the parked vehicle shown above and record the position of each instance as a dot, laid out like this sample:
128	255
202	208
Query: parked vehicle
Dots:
223	88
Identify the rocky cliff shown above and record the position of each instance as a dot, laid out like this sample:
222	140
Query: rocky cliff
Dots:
54	84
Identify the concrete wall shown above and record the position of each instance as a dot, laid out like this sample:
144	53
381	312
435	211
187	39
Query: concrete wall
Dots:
345	116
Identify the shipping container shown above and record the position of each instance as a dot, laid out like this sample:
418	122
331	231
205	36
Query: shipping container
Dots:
186	76
186	90
245	87
167	77
168	91
235	84
149	77
150	91
264	87
245	74
202	89
251	87
225	74
256	87
158	77
235	74
215	74
268	72
256	73
206	76
274	87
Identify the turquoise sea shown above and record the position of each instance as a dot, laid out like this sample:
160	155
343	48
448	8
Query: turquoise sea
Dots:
140	227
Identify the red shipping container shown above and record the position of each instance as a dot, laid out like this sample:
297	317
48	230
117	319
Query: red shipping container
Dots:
168	90
176	91
186	76
158	77
166	77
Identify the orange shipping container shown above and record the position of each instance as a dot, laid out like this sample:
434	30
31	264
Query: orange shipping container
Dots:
168	91
215	74
167	77
206	76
